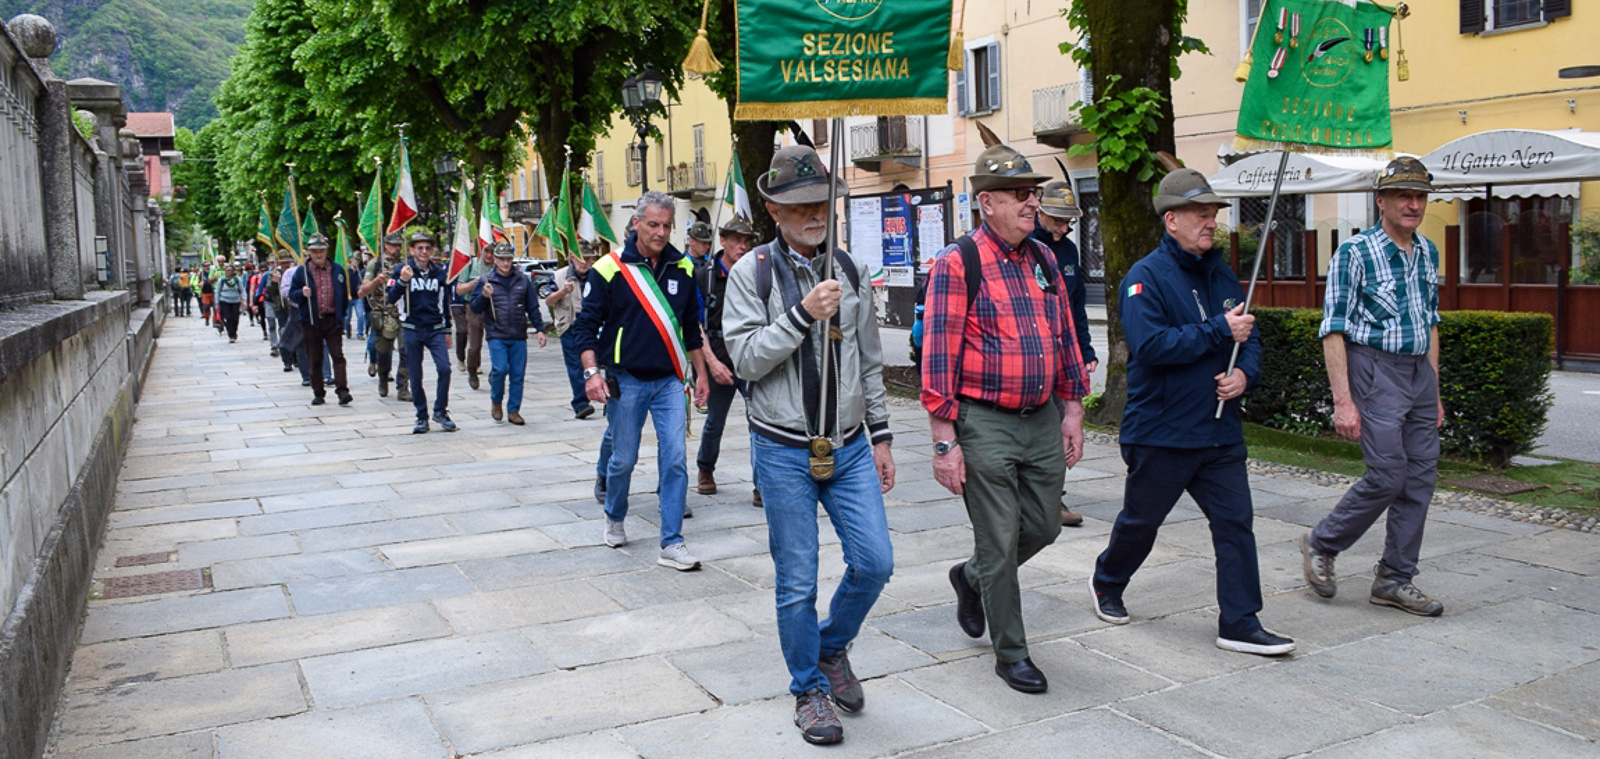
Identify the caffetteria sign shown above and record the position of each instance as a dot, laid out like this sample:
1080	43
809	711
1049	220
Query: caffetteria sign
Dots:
827	58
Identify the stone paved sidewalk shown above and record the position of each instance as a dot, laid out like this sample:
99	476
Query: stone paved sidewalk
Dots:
371	593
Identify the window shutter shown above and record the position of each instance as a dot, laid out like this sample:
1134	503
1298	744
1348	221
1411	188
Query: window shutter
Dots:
961	87
1472	17
993	51
1554	9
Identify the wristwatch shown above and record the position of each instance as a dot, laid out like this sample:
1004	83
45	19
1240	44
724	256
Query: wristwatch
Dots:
590	372
941	447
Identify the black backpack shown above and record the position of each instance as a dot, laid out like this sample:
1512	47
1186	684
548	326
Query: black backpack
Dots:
971	268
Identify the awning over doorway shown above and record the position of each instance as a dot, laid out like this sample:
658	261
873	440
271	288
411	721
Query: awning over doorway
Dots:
1517	157
1252	176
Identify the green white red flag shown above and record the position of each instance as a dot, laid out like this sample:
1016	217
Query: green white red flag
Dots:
405	198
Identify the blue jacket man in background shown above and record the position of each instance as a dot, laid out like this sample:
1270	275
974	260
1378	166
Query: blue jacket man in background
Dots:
507	303
420	286
1182	312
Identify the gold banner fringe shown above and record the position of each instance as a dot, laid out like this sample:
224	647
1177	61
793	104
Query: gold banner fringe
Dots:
830	109
1253	145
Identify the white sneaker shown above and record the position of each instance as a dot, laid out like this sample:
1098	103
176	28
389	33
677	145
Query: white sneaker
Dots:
678	557
616	537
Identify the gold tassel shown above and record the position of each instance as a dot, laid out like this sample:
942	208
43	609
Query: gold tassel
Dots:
957	59
1243	72
700	60
1402	68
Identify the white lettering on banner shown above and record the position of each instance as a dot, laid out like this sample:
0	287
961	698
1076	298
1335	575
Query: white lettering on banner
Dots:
1526	159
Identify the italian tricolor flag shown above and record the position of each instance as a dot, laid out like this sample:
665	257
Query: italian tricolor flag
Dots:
405	198
1135	289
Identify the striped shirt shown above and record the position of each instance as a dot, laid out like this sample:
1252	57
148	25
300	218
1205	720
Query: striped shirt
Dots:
1016	349
1381	297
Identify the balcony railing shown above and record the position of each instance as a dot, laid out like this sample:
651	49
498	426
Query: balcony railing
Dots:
603	191
526	211
891	138
1053	114
690	179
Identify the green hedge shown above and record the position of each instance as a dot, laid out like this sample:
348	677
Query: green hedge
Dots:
1494	367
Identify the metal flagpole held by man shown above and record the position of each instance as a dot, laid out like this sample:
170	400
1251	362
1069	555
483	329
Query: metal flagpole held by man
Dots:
1255	268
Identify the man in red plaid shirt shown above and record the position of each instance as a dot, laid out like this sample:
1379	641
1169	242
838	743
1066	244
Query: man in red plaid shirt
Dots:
996	360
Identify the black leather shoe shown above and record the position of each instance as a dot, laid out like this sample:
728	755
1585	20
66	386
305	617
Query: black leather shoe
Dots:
345	399
969	605
318	401
1022	676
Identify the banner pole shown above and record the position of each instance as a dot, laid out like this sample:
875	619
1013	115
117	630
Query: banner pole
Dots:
1255	268
835	145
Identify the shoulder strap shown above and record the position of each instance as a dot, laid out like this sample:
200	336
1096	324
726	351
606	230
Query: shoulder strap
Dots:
848	264
971	267
764	271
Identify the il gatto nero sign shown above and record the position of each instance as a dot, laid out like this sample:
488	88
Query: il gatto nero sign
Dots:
1525	158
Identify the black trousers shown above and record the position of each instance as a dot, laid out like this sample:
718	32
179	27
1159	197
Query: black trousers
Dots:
326	331
230	318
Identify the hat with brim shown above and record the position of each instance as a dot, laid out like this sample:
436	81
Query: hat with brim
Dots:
316	242
738	225
700	231
1184	188
1001	166
1405	173
421	236
503	250
797	177
1056	199
394	238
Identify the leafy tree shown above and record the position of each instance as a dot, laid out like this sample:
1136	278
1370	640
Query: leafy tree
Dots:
1130	120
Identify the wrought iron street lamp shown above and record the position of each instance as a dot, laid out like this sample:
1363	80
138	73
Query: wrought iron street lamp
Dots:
641	94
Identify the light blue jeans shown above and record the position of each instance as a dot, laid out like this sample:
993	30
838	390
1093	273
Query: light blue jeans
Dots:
508	360
854	503
663	400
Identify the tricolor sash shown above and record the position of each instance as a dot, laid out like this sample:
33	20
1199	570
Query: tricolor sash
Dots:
649	295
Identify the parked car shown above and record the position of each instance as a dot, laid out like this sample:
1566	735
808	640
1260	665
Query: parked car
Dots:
543	273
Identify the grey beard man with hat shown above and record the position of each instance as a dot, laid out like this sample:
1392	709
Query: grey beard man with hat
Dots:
321	291
780	314
1003	383
1058	207
1380	340
1182	312
384	317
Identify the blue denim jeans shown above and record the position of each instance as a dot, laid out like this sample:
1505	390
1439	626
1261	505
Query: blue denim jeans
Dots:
570	355
854	502
663	399
508	359
359	308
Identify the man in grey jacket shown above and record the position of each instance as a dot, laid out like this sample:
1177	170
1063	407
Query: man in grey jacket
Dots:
779	315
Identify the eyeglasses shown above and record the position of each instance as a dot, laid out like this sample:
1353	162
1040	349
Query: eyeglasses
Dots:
1021	193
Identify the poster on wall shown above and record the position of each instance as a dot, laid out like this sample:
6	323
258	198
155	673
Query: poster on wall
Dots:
930	231
897	231
866	242
894	233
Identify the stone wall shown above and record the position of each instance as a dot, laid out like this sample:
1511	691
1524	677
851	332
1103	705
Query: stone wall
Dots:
78	321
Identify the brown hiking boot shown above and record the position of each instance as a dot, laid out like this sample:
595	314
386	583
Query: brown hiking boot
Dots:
405	391
383	386
494	411
708	484
813	714
515	418
1318	568
1388	591
755	498
1069	519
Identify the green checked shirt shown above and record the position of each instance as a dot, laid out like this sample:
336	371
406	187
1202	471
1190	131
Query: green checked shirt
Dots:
1381	297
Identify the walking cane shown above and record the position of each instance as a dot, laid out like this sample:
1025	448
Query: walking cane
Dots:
1255	267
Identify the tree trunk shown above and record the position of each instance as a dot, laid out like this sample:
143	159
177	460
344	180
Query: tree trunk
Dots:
1134	41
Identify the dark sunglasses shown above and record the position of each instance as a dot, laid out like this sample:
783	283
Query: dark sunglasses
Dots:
1021	193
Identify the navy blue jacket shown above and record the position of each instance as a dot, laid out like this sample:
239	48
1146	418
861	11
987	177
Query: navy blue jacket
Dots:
427	297
1072	274
617	327
516	305
309	306
1178	341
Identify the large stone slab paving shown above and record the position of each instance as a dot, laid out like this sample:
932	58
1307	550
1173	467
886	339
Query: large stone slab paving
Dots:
311	519
428	666
558	704
1179	647
1528	632
653	587
1558	549
1564	700
629	634
1583	595
145	710
276	570
543	568
487	545
322	497
1079	679
934	631
898	718
1468	731
206	553
1316	623
159	657
1486	522
392	730
412	505
498	519
319	634
398	477
183	513
601	745
1092	734
256	452
754	669
181	613
929	584
374	534
370	591
525	606
177	482
1074	557
1235	716
1469	579
186	746
1436	677
1156	591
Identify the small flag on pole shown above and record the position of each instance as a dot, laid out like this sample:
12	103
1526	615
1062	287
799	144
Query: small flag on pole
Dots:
311	226
592	222
370	226
264	224
490	227
736	199
288	233
405	198
461	252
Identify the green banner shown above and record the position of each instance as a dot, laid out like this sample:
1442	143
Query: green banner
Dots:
1319	79
814	59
